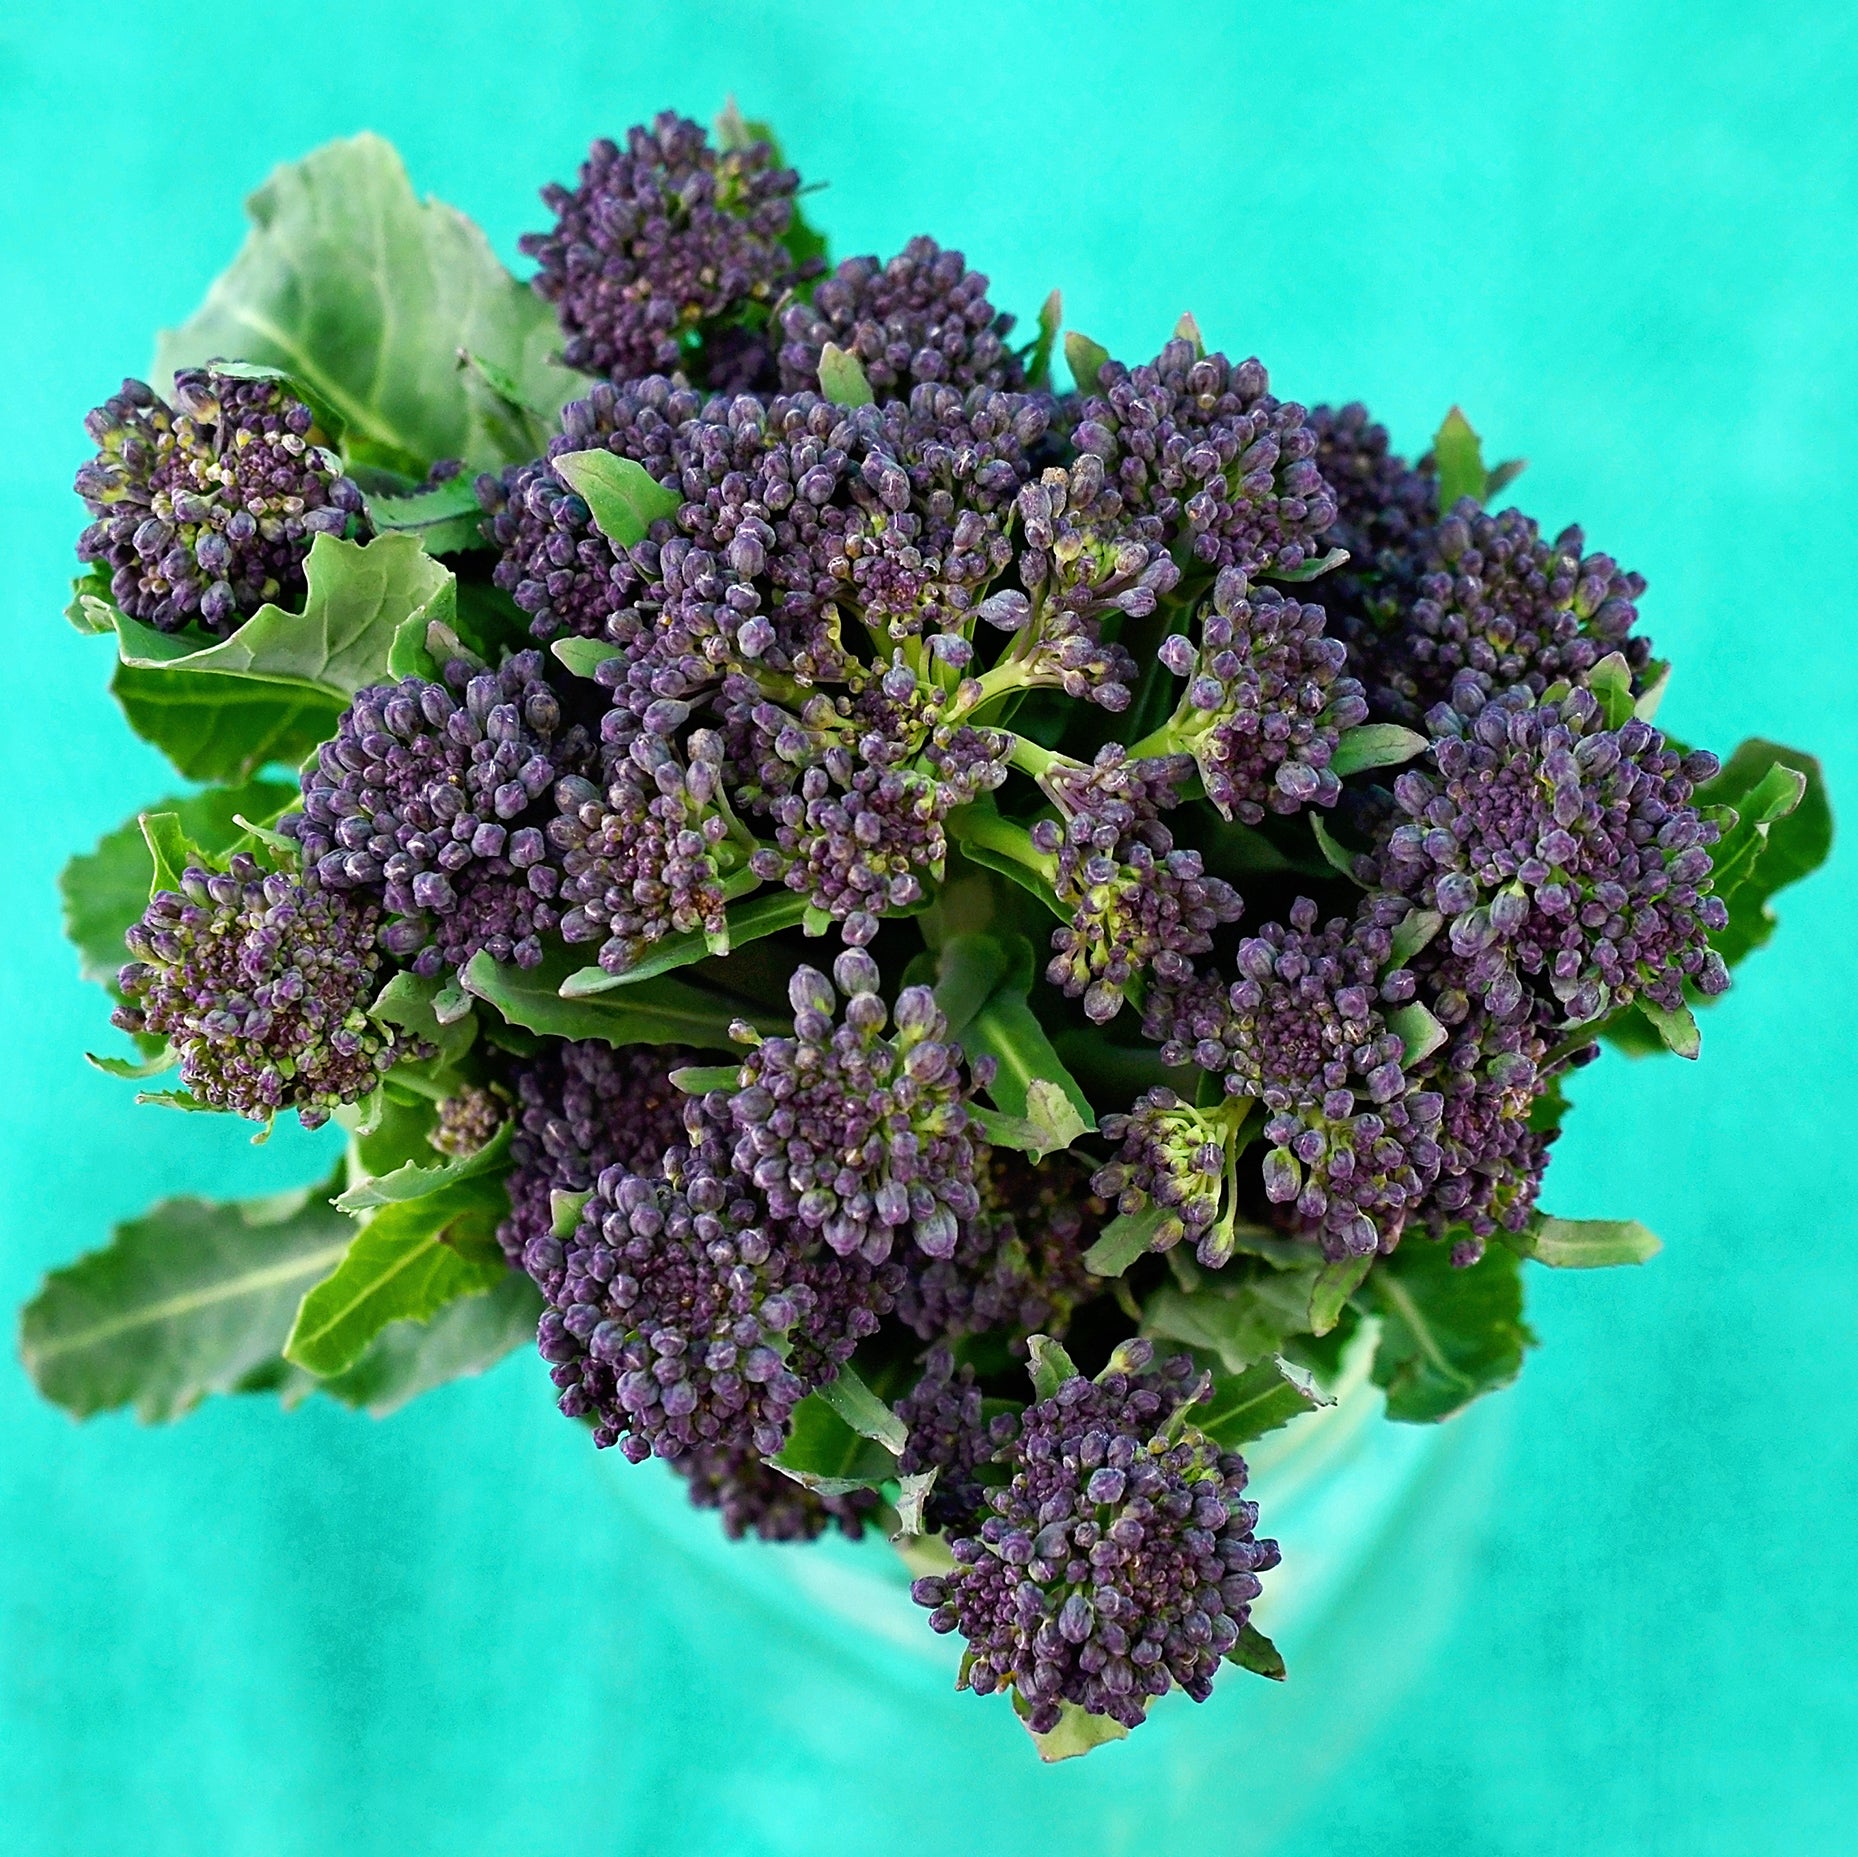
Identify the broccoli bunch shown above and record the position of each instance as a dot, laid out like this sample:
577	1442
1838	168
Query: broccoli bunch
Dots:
964	947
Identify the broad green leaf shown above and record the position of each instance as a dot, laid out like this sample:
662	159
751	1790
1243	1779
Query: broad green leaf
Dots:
863	1411
1255	1652
1051	1366
413	1181
406	1263
828	1456
748	921
1584	1244
1266	1396
968	970
1447	1335
1078	1731
842	377
1006	1030
171	853
467	1336
365	294
415	1003
187	1300
1085	359
1374	744
223	728
623	497
1127	1236
1241	1323
360	594
446	519
655	1012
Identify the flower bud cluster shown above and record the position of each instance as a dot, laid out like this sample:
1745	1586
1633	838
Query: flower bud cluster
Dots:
262	985
1568	858
433	798
1201	445
1137	902
660	243
205	510
1118	1562
948	1433
922	318
852	1135
1266	701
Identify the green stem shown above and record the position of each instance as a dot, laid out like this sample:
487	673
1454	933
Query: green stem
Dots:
991	832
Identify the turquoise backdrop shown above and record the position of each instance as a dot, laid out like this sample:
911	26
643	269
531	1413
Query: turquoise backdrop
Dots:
1624	235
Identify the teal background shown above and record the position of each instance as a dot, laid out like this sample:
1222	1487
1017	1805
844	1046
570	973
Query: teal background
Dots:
1623	235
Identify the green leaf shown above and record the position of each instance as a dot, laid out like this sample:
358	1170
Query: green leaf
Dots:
467	1336
1418	1029
365	295
106	889
1127	1237
863	1411
1313	569
92	610
1677	1029
1611	681
1051	1122
1255	1652
1789	844
1078	1731
1374	744
1459	454
1085	359
584	656
412	1181
1447	1335
1583	1244
564	1211
413	1002
406	1263
1240	1323
700	1079
969	969
655	1012
842	377
187	1300
446	519
360	594
1336	856
1264	1398
1417	929
1051	1366
1334	1284
223	728
622	496
912	1494
1039	355
130	1071
828	1456
748	921
171	853
1006	1030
